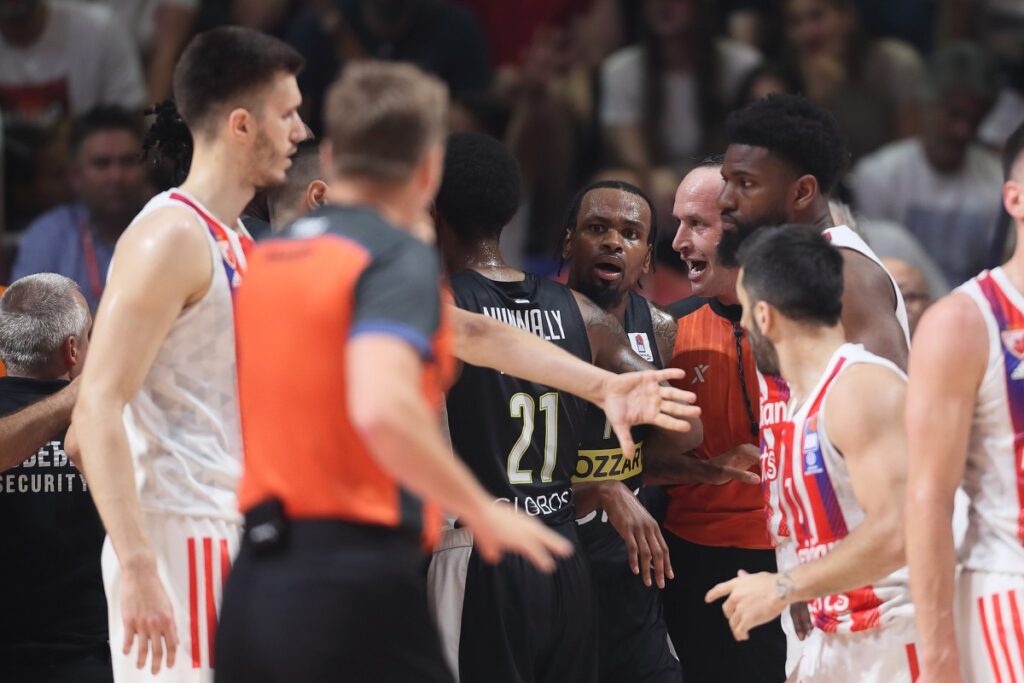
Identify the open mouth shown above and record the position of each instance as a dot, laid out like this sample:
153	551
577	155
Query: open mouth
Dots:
696	268
609	268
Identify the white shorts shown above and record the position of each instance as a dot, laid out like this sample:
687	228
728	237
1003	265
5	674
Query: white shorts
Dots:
194	556
446	589
882	655
989	628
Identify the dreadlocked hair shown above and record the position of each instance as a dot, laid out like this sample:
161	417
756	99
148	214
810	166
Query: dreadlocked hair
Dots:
168	139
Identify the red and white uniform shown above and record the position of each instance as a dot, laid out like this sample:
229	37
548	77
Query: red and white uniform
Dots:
820	508
184	431
774	399
990	589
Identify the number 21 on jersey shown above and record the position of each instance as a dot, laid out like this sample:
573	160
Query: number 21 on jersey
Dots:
523	407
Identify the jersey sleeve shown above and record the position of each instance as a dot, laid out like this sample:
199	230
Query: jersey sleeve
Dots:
397	294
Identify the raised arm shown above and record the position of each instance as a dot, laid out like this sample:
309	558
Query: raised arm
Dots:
939	412
26	431
160	266
876	461
869	301
630	399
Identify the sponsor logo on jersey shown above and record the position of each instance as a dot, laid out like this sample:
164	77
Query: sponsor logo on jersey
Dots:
642	345
1013	340
812	454
609	463
699	373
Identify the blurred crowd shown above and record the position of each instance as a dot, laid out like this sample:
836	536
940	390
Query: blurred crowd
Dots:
925	91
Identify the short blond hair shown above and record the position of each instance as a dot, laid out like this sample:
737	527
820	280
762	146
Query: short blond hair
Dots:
382	117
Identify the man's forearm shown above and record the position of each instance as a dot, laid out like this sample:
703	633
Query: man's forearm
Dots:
108	466
871	552
485	342
26	431
407	441
932	560
663	467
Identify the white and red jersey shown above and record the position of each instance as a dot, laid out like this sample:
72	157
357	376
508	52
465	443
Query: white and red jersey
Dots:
994	471
775	393
183	424
821	509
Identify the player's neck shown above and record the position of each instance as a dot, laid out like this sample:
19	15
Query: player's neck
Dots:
218	186
1014	268
804	356
819	214
485	258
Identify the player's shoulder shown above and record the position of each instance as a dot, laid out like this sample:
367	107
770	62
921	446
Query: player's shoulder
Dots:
171	229
866	392
955	322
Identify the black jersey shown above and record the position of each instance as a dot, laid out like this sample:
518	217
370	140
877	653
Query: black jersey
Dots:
600	457
51	586
520	438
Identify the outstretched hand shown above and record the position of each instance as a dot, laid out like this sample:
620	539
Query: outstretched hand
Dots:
734	465
500	529
635	398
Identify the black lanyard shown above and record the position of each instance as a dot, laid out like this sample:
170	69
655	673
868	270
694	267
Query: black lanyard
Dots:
737	333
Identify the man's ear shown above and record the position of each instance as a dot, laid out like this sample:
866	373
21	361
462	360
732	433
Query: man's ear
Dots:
805	191
764	317
71	353
241	124
316	194
567	244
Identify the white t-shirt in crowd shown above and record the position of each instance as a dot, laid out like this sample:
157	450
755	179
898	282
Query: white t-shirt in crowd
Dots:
622	93
954	216
139	16
83	58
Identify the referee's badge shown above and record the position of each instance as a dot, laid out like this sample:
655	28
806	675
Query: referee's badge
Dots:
642	345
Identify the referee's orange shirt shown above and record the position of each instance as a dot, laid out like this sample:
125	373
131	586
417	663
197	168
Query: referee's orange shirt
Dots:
731	515
339	273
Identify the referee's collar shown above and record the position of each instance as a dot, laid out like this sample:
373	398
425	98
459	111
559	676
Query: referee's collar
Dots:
732	312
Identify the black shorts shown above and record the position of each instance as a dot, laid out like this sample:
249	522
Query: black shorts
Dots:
333	602
632	636
523	626
700	632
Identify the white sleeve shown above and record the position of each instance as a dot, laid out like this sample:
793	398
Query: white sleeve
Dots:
622	88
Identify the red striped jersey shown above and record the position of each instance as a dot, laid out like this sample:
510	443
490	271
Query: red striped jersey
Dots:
775	392
994	472
820	508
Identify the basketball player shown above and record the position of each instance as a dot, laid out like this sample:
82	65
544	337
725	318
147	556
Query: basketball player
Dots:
158	399
608	240
964	427
507	622
784	157
842	466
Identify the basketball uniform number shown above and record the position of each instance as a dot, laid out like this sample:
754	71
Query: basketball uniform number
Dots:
522	406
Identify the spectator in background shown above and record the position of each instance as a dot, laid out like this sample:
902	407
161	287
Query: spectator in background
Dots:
159	48
60	59
438	37
663	101
55	630
109	182
916	294
868	85
941	185
766	80
303	190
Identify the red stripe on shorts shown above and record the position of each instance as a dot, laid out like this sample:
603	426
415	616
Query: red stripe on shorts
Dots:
997	609
225	564
211	604
193	603
988	641
1015	613
915	670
